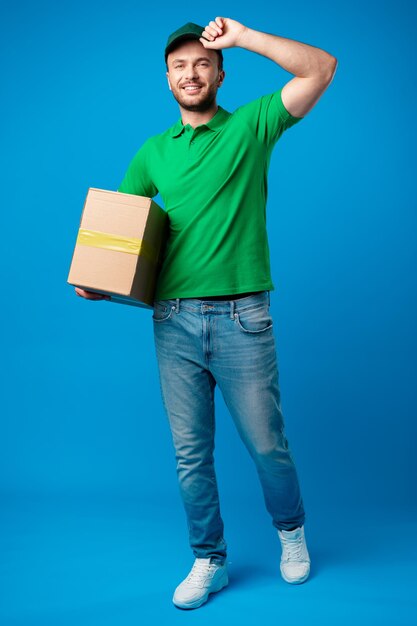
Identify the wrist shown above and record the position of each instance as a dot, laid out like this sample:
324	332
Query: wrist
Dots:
244	38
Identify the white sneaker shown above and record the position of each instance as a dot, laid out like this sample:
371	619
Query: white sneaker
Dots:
295	560
203	579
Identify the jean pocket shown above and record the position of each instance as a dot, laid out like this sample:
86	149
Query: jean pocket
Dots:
255	320
162	311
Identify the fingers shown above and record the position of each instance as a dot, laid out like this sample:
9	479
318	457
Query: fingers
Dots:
90	295
214	29
209	33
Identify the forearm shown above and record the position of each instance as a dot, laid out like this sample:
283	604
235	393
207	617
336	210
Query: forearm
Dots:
293	56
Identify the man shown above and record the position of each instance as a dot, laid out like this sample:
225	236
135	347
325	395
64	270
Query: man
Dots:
211	318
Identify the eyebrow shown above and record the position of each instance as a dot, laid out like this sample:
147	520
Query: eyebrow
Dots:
199	59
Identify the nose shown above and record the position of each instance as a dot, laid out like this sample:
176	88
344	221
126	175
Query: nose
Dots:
190	72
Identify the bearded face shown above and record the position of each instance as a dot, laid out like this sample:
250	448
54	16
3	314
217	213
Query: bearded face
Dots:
194	76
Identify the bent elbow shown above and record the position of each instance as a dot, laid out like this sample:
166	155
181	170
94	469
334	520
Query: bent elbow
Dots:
327	74
331	69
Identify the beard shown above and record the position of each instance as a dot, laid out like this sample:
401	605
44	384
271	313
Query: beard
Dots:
202	105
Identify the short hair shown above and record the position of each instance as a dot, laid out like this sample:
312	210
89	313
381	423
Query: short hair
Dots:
220	59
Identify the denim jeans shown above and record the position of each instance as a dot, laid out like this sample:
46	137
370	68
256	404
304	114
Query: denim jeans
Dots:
231	343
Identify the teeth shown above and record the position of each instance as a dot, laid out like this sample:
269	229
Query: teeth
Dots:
191	88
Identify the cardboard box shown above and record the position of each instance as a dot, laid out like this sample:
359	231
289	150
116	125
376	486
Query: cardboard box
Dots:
119	247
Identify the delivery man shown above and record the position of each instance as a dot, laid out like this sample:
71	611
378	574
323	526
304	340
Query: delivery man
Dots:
211	318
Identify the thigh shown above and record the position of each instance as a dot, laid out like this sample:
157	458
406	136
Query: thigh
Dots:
245	367
187	386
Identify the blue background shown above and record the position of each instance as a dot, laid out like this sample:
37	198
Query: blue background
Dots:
93	530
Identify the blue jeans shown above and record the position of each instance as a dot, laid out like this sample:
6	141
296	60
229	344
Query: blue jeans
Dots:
231	343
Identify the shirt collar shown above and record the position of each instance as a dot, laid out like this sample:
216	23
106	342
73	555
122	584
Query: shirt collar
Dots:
216	122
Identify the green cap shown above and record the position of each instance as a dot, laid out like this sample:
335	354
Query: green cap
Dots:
188	31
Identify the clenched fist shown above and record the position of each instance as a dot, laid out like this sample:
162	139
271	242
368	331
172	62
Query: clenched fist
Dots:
223	32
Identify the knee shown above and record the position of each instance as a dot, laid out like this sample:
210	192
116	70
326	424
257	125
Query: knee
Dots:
193	458
272	450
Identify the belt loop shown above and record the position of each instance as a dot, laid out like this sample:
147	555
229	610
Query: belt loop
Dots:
232	308
177	305
269	298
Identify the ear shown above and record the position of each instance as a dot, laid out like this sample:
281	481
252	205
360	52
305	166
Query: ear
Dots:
222	75
169	84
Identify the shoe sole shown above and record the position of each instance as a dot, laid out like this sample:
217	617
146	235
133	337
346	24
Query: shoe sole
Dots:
298	581
194	605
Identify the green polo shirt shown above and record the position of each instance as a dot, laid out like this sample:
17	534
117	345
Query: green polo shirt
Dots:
213	181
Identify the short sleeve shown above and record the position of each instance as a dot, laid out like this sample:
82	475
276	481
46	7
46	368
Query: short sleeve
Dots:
137	179
267	117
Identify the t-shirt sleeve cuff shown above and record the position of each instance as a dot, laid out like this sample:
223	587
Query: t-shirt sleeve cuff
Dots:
285	115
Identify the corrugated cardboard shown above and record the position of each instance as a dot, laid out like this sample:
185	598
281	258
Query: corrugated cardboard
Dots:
112	223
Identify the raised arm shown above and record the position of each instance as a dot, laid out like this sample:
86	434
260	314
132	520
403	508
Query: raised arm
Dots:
313	67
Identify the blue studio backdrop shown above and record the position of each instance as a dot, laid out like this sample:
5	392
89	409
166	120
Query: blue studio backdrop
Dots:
89	497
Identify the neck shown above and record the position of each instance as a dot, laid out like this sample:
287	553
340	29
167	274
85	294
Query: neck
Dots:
195	118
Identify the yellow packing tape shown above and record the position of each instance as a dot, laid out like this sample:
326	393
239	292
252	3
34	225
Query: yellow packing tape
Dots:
119	243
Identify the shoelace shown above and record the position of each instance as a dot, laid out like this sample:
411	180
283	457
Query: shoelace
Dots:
200	571
293	549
